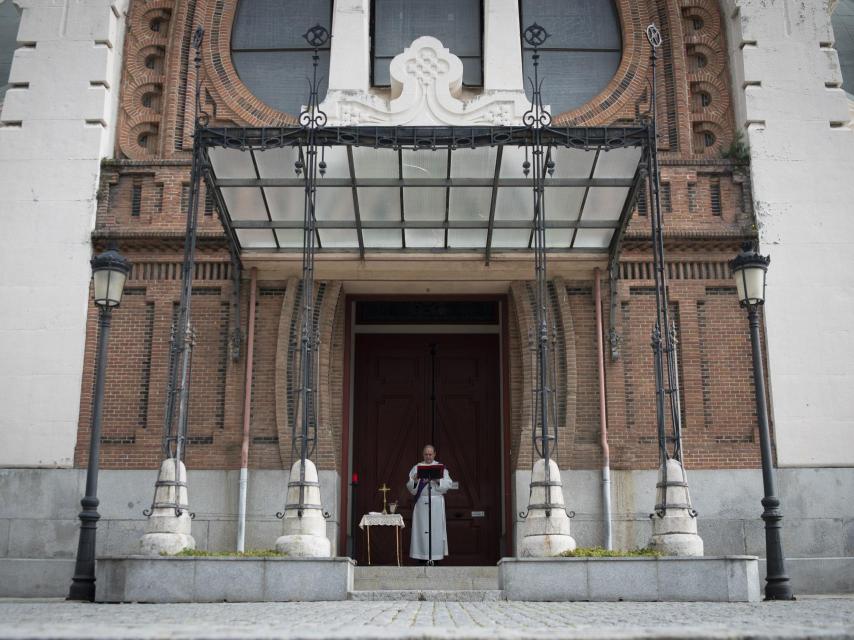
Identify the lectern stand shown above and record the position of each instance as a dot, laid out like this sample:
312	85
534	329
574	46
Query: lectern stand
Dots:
427	473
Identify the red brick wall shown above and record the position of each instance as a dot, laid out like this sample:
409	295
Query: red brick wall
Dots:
719	417
264	447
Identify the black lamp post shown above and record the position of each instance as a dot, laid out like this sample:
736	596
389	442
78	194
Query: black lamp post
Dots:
749	270
109	273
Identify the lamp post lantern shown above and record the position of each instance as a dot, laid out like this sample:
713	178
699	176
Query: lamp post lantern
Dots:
749	270
109	273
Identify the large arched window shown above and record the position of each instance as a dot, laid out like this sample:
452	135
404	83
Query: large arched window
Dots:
843	32
271	56
582	54
10	19
457	24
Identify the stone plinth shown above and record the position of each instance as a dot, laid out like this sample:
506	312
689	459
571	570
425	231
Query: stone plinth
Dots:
166	531
305	533
188	579
674	532
545	532
711	579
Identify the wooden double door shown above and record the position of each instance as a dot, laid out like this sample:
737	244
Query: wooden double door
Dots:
415	389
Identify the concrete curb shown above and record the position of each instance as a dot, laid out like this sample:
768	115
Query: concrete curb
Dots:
673	579
201	579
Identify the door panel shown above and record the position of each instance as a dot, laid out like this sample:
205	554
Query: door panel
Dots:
395	377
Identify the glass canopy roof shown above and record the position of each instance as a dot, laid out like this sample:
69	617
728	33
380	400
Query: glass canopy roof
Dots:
434	189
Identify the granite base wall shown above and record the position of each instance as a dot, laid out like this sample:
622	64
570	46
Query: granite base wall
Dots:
39	525
818	513
39	508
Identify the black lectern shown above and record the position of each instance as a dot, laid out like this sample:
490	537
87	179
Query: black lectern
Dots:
427	473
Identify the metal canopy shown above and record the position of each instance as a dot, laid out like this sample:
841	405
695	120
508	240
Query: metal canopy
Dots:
424	188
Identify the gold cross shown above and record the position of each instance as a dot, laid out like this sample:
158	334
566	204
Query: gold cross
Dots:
385	491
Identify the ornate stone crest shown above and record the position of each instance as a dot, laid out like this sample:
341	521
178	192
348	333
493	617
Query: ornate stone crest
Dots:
426	89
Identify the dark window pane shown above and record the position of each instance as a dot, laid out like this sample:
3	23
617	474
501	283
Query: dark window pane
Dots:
579	24
572	78
136	200
455	23
715	196
10	19
582	53
270	55
843	33
427	312
279	78
277	24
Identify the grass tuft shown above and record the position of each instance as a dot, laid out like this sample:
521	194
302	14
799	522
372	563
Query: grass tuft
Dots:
599	552
252	553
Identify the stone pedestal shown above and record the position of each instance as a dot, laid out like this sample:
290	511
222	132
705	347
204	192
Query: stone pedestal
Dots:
675	532
305	537
544	535
166	532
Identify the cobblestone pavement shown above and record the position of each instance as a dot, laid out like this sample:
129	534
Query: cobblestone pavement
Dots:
806	618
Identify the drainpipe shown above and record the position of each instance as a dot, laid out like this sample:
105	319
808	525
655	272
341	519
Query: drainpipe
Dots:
603	417
247	409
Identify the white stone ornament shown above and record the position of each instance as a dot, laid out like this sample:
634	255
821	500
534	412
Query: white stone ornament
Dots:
166	532
305	537
426	89
545	536
675	532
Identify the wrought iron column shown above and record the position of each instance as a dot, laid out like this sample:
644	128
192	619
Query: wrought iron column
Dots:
544	430
546	530
675	532
311	119
664	339
176	418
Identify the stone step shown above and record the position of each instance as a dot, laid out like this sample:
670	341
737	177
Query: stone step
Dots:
425	578
429	595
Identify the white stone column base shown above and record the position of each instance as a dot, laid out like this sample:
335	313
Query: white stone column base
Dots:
158	544
299	546
305	537
166	532
546	536
677	544
675	532
546	546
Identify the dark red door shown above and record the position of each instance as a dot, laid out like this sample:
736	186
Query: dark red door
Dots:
396	377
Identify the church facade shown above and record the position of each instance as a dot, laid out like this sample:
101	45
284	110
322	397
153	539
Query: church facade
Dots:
424	296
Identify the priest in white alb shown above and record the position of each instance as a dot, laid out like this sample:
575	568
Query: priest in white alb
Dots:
420	547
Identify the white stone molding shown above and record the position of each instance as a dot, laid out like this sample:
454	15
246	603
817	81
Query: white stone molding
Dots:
426	89
350	49
56	124
502	44
787	97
